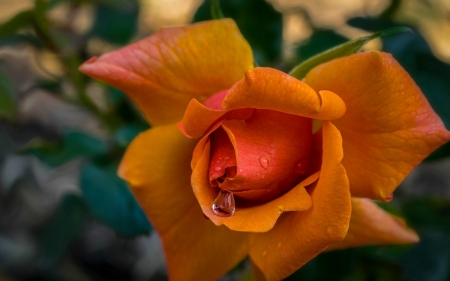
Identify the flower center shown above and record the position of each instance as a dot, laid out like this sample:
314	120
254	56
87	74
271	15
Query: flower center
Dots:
258	159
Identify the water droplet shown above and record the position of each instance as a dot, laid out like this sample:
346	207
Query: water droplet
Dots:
217	169
389	198
240	170
227	158
302	167
224	205
263	176
264	162
264	253
257	174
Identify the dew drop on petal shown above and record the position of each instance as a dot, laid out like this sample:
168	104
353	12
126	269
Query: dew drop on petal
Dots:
224	205
264	162
389	198
217	169
302	167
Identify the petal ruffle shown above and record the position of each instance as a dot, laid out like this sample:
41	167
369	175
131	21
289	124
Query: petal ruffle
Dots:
198	118
389	126
163	72
370	225
300	236
268	88
156	167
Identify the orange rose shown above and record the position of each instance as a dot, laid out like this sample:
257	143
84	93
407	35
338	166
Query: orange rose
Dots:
253	161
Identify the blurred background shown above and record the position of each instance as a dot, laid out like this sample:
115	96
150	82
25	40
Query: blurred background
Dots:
65	215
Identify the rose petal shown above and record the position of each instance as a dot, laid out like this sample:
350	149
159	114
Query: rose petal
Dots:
300	236
257	274
259	218
268	88
198	118
163	72
156	167
388	128
370	225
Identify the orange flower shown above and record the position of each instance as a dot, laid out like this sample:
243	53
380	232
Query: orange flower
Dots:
281	190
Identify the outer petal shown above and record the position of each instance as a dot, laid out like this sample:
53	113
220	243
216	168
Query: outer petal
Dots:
370	225
163	72
268	88
156	166
388	128
300	236
258	218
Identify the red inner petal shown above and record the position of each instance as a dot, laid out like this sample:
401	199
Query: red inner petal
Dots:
223	158
262	157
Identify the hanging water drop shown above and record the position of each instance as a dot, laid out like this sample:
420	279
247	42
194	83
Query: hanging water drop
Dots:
224	205
264	162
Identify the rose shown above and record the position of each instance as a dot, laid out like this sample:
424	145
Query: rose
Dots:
375	121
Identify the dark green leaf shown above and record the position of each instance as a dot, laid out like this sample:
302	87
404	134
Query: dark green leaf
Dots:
115	24
124	135
430	259
260	24
65	225
73	145
110	200
7	103
348	48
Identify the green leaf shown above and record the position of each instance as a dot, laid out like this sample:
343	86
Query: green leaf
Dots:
110	200
65	225
73	145
260	24
216	11
348	48
8	108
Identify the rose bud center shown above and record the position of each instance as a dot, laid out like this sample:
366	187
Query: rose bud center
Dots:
260	158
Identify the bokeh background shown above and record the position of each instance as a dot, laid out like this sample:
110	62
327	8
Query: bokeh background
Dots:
65	215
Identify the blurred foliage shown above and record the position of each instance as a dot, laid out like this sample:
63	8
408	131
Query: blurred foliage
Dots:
110	200
7	102
104	198
73	145
64	226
